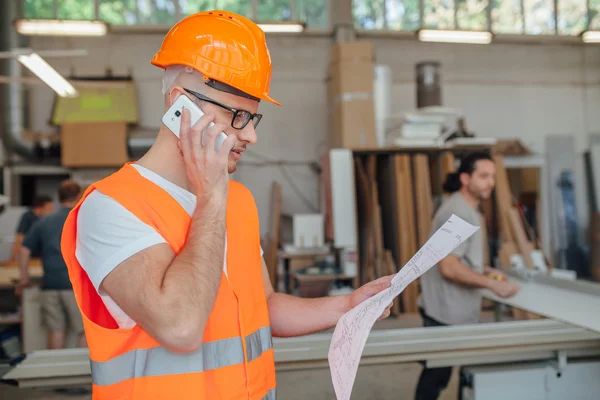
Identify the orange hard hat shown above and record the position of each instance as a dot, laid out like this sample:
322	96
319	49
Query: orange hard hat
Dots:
229	50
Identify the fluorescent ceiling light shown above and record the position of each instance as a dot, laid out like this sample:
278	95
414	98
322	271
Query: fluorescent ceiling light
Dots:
14	53
282	27
590	37
435	35
46	27
46	73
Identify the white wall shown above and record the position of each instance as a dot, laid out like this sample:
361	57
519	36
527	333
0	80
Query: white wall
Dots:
506	90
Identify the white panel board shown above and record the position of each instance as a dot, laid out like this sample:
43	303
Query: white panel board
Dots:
595	164
575	303
382	95
343	198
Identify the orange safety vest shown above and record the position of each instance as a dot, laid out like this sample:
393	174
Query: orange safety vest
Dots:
236	358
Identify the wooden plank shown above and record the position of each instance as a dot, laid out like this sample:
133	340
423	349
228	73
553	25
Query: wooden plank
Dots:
518	232
423	197
406	225
364	208
271	258
448	165
505	253
504	199
484	239
387	200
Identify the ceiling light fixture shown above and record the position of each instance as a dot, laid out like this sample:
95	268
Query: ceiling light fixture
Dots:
46	73
282	27
590	37
47	27
453	36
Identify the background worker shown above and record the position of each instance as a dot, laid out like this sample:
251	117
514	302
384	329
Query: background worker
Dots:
58	302
450	290
42	205
168	248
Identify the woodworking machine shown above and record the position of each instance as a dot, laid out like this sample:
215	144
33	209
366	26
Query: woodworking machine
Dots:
557	357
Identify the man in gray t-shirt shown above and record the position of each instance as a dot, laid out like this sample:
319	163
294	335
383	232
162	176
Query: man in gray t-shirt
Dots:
450	290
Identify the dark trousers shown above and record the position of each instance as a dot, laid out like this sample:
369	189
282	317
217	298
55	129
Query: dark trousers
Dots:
433	380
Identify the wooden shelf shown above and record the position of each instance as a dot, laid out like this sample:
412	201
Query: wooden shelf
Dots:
12	320
305	277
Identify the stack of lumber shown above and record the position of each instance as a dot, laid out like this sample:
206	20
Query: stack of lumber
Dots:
395	208
272	240
518	238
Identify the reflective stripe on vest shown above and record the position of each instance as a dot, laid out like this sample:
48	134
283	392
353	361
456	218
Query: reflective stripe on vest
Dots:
158	361
258	342
271	395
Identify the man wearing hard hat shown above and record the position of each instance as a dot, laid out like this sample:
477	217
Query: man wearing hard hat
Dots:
164	255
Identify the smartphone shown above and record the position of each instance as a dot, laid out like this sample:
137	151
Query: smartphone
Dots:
172	118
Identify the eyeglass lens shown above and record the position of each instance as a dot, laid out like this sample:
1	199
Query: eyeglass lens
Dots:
241	119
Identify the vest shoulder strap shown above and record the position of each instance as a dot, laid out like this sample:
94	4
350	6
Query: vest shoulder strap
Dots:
149	202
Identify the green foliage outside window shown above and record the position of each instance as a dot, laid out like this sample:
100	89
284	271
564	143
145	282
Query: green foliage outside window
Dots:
163	12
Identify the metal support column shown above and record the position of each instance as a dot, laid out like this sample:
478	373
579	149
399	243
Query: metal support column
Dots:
12	99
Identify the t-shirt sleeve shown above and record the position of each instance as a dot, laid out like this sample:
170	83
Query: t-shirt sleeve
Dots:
26	222
439	220
108	234
33	240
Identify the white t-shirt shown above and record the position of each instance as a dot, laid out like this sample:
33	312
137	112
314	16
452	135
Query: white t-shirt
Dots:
108	234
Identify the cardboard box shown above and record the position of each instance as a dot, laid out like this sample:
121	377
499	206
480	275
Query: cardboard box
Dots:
350	95
94	144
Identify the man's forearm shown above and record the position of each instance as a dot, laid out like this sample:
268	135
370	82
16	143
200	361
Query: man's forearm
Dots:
295	316
24	255
16	249
191	282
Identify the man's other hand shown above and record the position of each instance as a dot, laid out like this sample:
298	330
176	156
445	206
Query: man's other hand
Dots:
23	283
505	288
369	290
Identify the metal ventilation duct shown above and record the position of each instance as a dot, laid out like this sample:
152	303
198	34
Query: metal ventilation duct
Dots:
429	87
12	98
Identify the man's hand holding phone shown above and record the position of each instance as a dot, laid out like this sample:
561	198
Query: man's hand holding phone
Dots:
207	168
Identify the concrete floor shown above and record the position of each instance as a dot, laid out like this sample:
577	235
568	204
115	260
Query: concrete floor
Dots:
396	382
388	382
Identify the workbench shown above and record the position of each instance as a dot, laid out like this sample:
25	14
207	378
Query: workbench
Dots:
543	346
10	274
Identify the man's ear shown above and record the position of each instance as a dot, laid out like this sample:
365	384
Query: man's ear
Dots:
174	93
464	178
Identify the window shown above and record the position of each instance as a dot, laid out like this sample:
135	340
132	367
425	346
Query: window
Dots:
274	10
439	14
242	7
369	14
74	9
156	12
539	17
507	17
472	15
572	16
314	12
118	12
594	14
402	14
43	9
165	12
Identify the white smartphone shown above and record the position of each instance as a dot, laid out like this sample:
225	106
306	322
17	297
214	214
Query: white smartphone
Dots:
172	118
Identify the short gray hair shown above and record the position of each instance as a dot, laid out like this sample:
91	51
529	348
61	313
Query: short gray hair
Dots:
172	72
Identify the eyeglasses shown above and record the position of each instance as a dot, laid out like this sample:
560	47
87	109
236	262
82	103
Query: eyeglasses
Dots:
240	117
